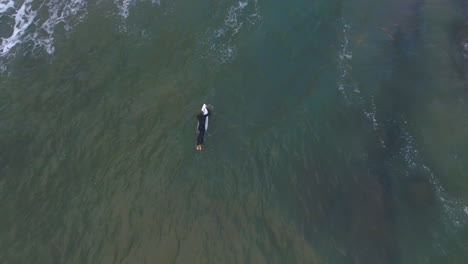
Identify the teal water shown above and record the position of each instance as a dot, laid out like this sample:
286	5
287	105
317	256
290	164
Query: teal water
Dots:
338	135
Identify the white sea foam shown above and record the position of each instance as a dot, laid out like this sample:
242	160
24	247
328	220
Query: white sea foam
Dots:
125	5
351	93
23	19
344	58
29	27
239	15
371	115
5	5
409	151
60	12
465	49
454	208
231	19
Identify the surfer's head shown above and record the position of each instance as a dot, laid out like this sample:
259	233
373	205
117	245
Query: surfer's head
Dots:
200	113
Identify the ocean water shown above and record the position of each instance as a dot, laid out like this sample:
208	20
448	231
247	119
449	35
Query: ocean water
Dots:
339	131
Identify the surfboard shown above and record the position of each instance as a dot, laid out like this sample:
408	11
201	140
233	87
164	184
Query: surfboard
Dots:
205	111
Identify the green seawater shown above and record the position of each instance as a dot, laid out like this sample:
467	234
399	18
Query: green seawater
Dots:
339	131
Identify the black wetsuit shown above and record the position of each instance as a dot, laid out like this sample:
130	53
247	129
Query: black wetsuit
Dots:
201	127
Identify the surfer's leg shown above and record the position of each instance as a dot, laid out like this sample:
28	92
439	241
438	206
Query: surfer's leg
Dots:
201	135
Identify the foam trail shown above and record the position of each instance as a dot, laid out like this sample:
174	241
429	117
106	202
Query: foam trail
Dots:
344	58
5	5
23	19
454	208
353	94
371	115
124	7
58	14
239	15
231	19
465	49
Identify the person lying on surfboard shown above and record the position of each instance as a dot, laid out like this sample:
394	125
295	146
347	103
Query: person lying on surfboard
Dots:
202	118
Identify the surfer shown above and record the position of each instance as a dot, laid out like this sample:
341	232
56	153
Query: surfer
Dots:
202	125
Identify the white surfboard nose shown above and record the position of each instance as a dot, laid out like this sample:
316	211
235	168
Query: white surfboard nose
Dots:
205	111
